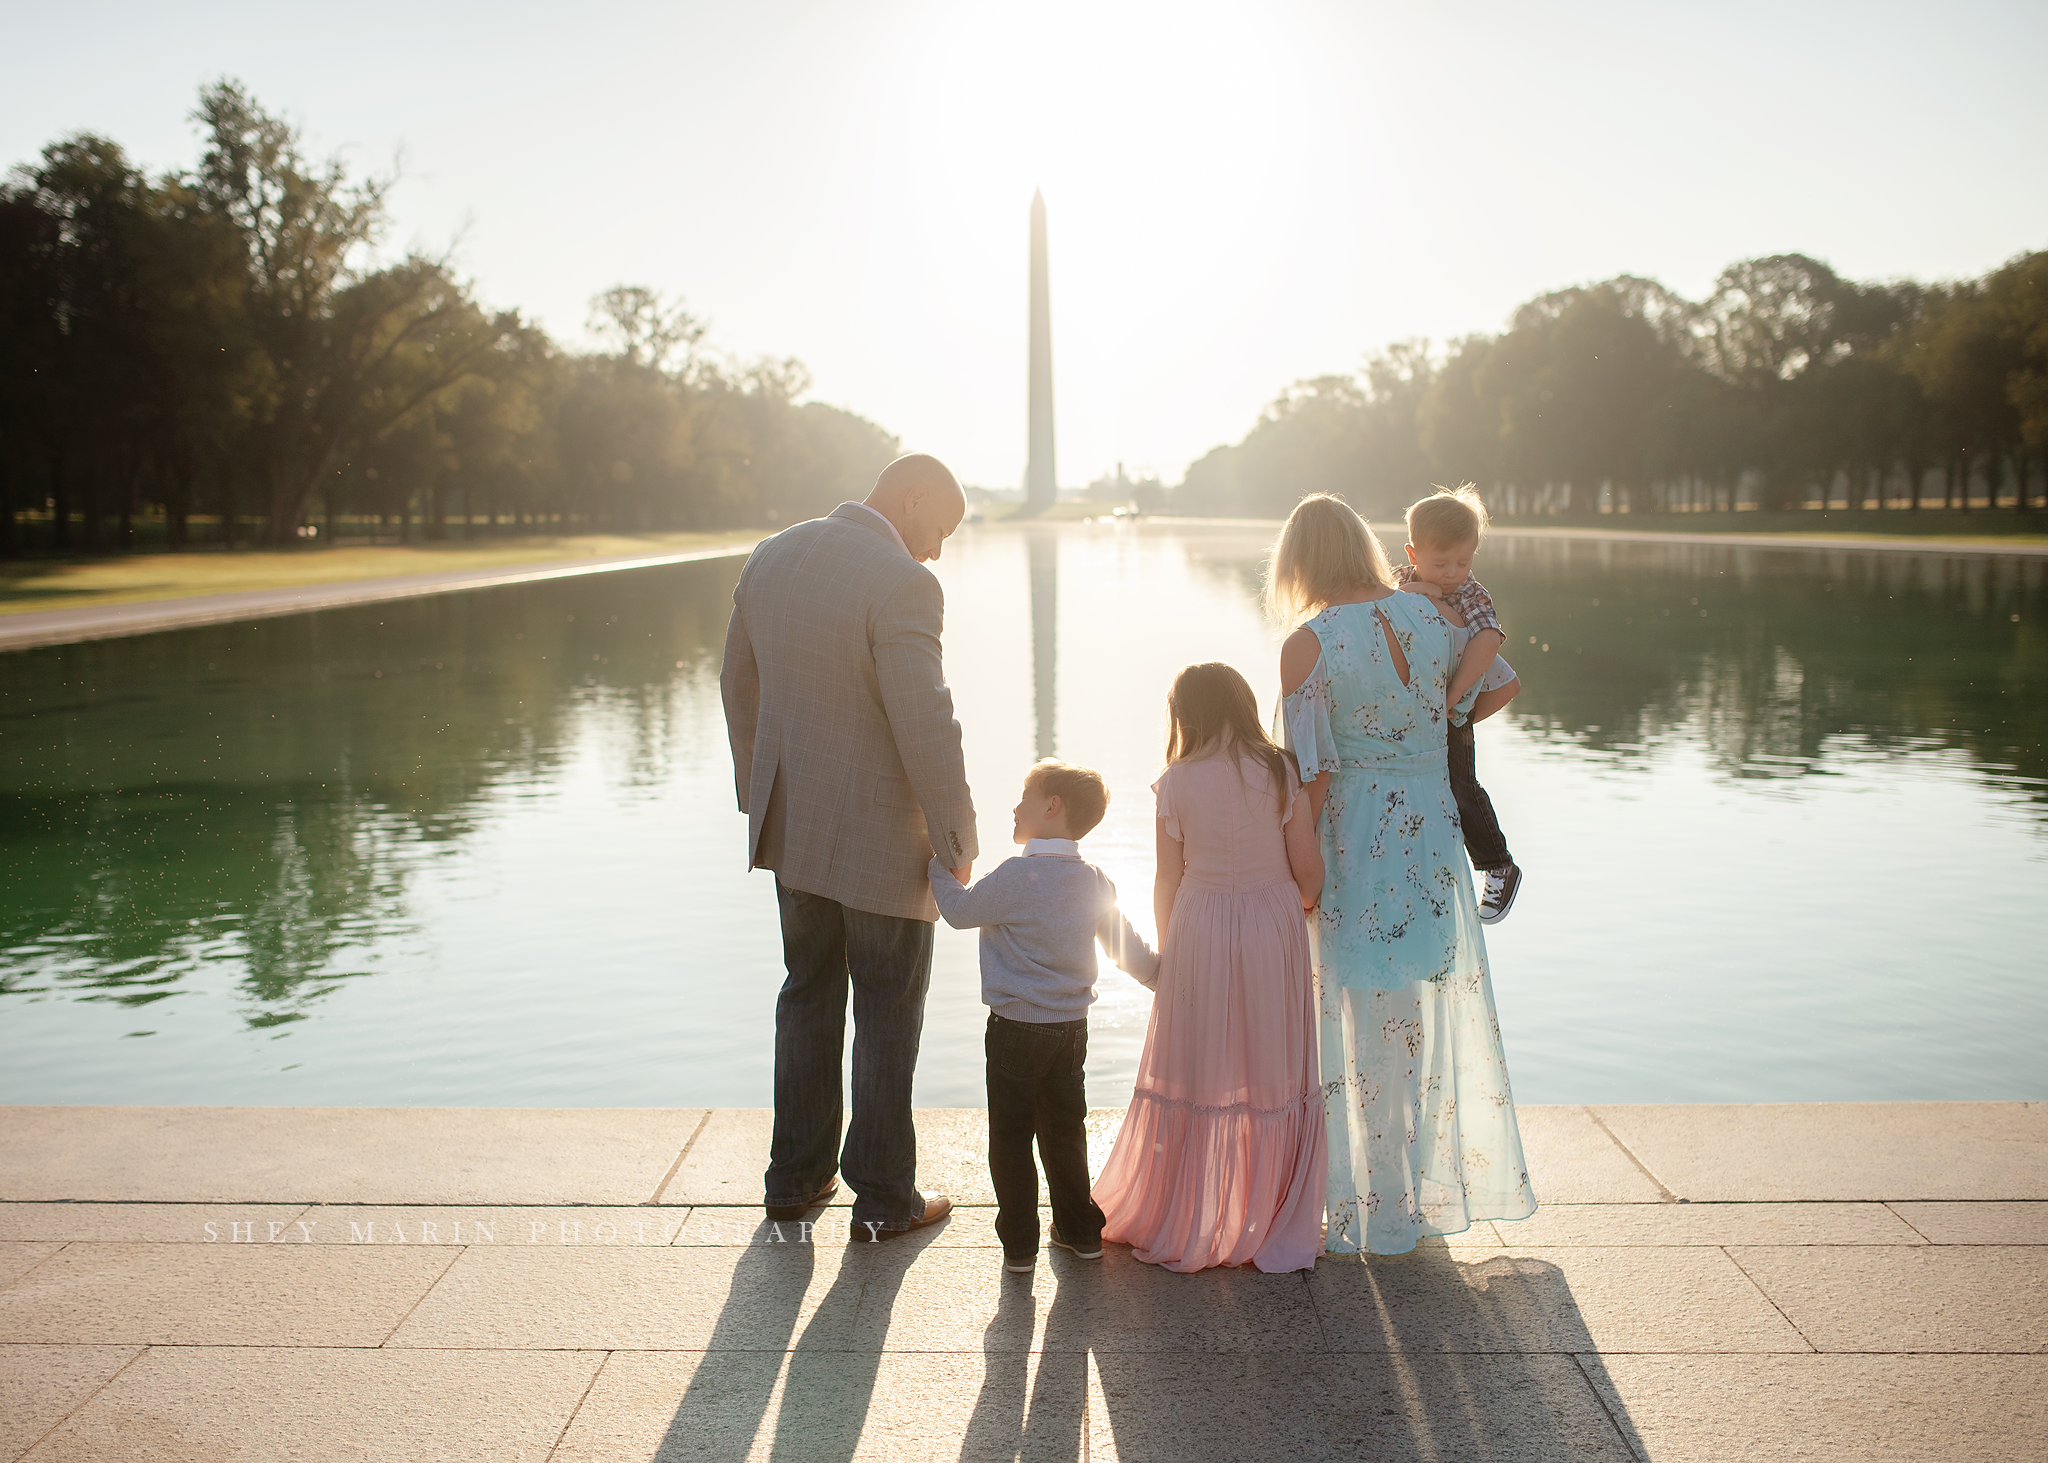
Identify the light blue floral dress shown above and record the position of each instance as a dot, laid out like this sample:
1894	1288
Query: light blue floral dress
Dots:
1421	1124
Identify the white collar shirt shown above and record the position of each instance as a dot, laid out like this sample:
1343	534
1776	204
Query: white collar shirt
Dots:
849	503
1053	847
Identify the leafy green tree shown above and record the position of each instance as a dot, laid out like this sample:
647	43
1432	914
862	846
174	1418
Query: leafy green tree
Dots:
1789	384
351	351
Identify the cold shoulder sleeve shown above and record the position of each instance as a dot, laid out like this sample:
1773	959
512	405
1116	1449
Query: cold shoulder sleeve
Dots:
1168	814
1304	723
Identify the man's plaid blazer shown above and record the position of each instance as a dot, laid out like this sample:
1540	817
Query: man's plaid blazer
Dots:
846	755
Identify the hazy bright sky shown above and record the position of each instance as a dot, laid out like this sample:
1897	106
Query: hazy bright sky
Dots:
1240	195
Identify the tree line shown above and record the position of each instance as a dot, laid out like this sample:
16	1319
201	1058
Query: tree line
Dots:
216	353
1788	387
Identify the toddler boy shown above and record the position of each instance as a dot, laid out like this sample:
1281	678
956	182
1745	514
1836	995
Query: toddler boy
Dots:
1443	535
1039	917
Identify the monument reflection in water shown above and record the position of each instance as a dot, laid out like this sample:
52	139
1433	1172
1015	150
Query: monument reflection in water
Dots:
1042	552
1778	809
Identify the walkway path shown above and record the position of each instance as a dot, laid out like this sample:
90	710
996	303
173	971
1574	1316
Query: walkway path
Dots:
1391	531
142	617
1882	541
1703	1283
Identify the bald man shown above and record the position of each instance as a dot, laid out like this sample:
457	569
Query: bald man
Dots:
847	761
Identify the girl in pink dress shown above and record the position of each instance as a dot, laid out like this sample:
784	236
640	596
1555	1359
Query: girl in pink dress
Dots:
1220	1160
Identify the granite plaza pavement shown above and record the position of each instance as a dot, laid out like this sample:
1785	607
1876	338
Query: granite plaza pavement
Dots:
1827	1281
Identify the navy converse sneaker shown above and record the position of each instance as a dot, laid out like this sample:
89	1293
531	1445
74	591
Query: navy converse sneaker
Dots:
1499	895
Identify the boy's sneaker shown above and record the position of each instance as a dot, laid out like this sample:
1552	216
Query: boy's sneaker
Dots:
1021	1264
1499	896
1082	1251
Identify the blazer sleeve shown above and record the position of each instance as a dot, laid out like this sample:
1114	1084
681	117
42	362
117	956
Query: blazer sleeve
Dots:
739	684
920	709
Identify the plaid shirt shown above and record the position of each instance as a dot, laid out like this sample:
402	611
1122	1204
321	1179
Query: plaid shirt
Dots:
1469	599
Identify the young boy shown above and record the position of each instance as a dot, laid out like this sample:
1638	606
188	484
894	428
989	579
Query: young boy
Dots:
1039	917
1443	534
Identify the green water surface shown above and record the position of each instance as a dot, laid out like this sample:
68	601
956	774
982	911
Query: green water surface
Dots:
1784	815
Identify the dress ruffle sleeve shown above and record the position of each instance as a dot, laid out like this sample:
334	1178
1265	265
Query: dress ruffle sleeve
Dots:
1162	790
1304	724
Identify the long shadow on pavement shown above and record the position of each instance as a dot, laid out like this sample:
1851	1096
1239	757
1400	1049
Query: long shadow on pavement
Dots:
1415	1357
770	1331
1439	1355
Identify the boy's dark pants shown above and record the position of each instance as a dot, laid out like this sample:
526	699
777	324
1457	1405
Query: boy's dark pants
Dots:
1035	1089
1484	844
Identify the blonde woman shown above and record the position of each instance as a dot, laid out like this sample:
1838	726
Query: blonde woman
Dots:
1420	1121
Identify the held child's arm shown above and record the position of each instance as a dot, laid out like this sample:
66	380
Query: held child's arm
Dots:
1305	851
1127	948
1488	702
1472	665
987	903
1173	867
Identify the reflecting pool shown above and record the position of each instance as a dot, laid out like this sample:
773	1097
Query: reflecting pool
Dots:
1784	816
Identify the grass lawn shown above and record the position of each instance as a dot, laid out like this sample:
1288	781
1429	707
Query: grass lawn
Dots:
1982	526
1064	512
1979	523
2002	528
50	584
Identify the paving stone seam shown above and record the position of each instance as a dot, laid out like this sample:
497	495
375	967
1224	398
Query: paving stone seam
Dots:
1322	1324
676	1167
423	1294
1579	1362
570	1421
303	1204
677	1243
83	1402
1091	1349
1769	1299
1629	1153
62	1245
1905	1221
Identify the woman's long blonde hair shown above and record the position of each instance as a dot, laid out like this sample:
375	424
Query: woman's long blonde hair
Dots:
1325	551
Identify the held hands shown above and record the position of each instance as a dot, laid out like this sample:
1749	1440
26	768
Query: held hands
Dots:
963	873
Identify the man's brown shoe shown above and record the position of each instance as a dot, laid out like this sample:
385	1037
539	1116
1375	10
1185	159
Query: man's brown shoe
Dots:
782	1213
936	1207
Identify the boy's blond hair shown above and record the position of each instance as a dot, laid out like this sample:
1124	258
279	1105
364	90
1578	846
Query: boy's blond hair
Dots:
1082	789
1447	518
1325	551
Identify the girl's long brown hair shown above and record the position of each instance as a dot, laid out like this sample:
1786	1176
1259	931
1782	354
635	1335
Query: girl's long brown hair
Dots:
1211	701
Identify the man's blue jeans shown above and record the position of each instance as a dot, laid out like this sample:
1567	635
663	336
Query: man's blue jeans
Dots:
889	964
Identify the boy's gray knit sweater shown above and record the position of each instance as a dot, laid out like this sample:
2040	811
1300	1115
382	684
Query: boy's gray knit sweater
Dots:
1039	918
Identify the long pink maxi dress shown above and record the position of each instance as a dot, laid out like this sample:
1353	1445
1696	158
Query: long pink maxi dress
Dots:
1220	1160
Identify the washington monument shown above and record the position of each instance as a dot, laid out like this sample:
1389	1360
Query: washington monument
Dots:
1041	481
